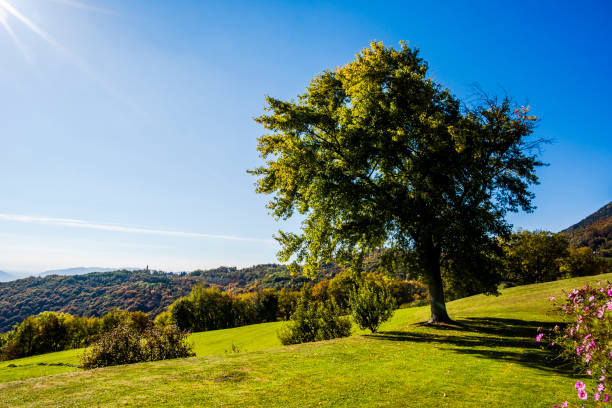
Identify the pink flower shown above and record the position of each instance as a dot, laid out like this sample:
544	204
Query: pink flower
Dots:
600	387
539	337
596	396
606	398
580	385
582	394
610	292
565	404
552	298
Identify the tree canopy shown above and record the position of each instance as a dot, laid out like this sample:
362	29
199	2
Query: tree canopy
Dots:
376	154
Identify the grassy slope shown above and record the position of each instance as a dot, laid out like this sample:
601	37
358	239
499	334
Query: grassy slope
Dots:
490	360
247	338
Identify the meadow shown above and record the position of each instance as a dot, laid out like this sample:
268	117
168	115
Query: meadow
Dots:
489	359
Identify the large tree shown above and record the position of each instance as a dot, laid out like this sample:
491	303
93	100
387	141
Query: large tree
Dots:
376	154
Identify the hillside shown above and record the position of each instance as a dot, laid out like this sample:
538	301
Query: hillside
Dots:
94	294
491	360
595	231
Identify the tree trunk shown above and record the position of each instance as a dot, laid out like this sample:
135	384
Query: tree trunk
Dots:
436	289
436	300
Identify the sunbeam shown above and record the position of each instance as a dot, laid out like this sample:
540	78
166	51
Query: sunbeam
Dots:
9	9
11	33
26	21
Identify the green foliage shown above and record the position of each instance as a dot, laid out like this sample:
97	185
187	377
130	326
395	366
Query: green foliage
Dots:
542	256
376	154
287	302
581	262
96	294
266	306
314	321
372	304
533	257
50	331
126	344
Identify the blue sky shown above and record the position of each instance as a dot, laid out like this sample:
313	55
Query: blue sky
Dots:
126	125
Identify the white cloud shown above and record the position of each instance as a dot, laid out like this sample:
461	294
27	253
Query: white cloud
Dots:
68	222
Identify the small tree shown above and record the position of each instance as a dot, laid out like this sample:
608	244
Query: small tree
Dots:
314	321
371	305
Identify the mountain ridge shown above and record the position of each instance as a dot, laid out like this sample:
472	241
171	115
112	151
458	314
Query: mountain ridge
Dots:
594	231
81	270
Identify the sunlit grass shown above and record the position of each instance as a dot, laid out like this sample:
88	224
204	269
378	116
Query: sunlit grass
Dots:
490	360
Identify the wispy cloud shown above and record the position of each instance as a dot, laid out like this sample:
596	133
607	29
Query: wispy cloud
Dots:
69	222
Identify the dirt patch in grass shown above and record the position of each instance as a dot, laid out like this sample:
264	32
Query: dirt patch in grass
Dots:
232	376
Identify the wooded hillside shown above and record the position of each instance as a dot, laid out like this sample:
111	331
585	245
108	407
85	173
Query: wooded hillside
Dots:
95	294
595	231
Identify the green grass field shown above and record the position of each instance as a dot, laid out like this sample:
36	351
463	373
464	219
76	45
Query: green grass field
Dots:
490	360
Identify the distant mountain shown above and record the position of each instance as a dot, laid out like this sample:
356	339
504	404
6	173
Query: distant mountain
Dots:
79	271
595	231
5	277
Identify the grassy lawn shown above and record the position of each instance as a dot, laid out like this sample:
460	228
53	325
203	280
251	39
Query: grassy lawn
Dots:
491	359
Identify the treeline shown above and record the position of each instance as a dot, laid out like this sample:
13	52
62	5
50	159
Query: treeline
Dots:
205	308
50	331
210	309
543	256
95	294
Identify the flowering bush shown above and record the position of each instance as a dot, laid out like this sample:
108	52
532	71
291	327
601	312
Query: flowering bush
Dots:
587	339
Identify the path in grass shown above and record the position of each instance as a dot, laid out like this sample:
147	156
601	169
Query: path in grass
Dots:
491	359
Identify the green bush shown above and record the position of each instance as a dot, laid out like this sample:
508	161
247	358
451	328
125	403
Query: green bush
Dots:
125	344
314	321
533	257
372	304
581	262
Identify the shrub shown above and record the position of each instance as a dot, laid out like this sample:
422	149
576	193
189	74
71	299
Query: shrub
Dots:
372	304
314	321
587	339
125	344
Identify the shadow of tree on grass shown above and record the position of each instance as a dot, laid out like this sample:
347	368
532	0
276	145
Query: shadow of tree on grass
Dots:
510	340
